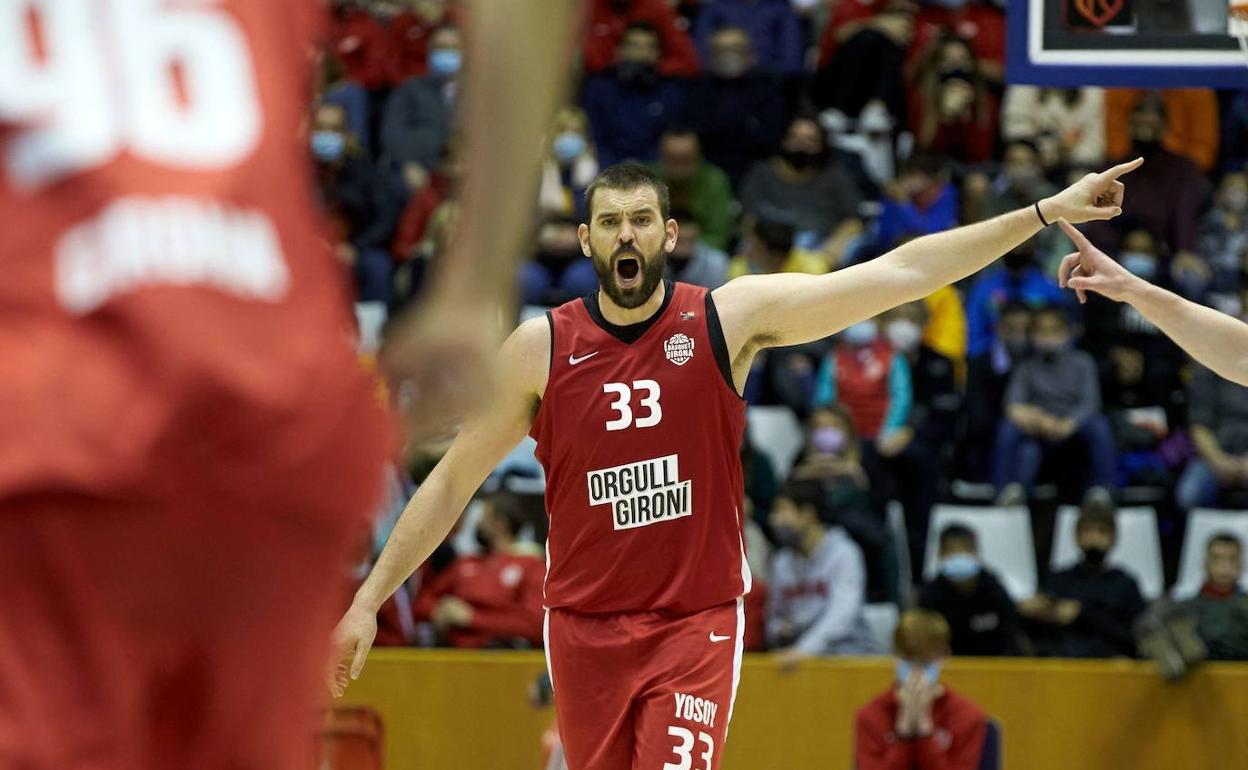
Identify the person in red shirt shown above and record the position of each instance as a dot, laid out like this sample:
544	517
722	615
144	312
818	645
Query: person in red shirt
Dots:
493	599
952	110
359	41
609	19
919	723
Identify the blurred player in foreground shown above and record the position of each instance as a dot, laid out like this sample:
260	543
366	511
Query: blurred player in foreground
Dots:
633	395
188	452
1214	339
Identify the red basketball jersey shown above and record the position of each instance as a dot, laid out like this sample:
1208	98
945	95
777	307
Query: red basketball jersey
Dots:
639	431
166	283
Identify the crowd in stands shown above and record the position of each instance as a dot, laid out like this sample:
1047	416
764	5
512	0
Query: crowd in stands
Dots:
807	136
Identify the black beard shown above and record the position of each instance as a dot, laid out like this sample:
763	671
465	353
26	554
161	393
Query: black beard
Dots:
652	271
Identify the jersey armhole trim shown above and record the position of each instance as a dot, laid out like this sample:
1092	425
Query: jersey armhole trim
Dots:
719	346
550	364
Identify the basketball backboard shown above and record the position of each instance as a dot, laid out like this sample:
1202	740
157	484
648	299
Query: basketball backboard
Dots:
1140	43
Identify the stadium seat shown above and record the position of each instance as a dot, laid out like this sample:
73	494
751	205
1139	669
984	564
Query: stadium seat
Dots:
1138	550
1203	523
882	618
1005	543
370	317
901	546
351	739
776	433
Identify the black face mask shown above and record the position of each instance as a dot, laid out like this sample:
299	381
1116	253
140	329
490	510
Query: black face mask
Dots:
803	160
1017	261
483	541
1094	557
637	73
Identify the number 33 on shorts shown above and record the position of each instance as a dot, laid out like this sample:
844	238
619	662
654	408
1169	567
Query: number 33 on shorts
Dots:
684	750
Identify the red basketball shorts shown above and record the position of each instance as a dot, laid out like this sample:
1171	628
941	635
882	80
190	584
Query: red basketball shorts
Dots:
645	690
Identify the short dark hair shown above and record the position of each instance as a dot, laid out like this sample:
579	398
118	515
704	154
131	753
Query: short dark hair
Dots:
775	234
506	507
629	176
958	532
804	492
1225	538
1014	306
1097	513
643	27
1053	310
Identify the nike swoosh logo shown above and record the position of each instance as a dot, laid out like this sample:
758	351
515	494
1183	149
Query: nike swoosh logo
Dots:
717	638
573	360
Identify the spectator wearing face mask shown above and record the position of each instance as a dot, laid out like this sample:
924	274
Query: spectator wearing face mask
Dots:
952	110
632	104
1020	184
818	581
419	115
697	186
609	23
1191	127
1218	418
1053	407
918	723
971	599
1223	234
863	56
570	165
1067	125
408	35
988	375
922	200
768	247
1088	610
907	463
694	260
363	204
739	111
358	40
494	599
425	194
1018	278
773	26
819	195
864	374
558	271
1221	607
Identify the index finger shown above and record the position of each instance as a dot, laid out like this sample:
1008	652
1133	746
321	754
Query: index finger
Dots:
1081	241
1122	168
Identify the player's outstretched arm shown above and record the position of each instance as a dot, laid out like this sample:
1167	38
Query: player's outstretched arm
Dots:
790	309
487	437
1215	339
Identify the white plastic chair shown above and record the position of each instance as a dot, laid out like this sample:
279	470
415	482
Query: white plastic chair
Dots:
776	433
1005	543
1138	550
1202	524
901	546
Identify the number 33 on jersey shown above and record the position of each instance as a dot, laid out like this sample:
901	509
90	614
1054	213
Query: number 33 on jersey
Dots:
639	431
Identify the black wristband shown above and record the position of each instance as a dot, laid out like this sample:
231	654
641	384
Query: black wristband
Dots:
1039	214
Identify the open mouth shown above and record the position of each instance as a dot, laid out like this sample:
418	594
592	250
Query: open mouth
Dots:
628	272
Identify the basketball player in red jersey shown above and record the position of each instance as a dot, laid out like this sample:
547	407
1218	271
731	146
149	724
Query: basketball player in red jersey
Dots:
175	380
633	396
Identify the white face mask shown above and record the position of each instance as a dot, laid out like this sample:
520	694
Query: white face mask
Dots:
904	334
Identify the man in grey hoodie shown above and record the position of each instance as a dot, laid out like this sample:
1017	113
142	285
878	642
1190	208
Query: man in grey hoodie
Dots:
818	581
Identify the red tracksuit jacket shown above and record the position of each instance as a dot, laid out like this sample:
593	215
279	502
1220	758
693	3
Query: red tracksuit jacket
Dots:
955	744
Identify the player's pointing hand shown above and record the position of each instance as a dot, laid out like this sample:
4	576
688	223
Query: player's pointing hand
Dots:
1094	197
1090	269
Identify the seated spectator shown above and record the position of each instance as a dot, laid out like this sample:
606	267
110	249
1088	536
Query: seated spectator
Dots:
631	105
335	88
1168	200
761	483
495	599
1020	184
818	581
1067	125
1053	407
694	260
1018	279
409	32
610	20
980	23
1088	610
870	379
559	270
419	116
945	331
921	201
358	40
1218	417
697	186
971	599
774	29
864	58
768	248
363	203
427	192
953	112
739	111
1191	128
570	165
1223	234
919	723
988	375
819	196
1221	607
907	463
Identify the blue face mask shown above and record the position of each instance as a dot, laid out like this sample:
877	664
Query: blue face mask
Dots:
445	61
862	333
959	566
568	146
328	146
1138	263
931	671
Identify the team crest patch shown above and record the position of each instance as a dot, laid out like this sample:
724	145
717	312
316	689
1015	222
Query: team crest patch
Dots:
679	349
